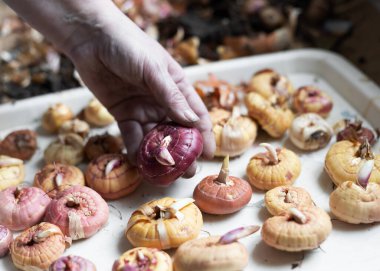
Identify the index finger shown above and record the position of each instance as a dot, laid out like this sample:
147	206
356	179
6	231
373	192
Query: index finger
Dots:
204	124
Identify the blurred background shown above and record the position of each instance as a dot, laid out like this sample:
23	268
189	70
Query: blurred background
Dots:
196	32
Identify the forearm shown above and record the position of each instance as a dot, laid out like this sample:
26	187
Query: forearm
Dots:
67	23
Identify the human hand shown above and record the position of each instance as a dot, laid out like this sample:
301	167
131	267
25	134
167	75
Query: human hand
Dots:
139	83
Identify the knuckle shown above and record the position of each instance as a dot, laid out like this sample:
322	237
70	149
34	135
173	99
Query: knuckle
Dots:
152	71
179	76
175	97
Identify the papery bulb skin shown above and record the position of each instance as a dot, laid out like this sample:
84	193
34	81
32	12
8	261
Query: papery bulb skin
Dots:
167	151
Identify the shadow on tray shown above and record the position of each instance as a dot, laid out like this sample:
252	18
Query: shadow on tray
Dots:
265	255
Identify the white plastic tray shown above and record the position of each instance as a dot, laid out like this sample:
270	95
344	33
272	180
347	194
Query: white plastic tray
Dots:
348	247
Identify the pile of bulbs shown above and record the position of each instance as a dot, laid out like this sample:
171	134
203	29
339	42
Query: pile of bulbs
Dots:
66	204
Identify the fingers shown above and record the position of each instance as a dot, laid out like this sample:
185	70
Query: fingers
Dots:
132	135
140	108
147	127
167	93
204	125
190	172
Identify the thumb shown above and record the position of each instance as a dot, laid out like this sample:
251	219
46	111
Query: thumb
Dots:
168	95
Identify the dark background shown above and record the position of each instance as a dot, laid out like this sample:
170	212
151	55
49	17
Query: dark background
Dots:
348	27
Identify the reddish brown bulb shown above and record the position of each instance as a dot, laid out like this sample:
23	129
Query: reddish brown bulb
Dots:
102	144
222	194
20	144
355	132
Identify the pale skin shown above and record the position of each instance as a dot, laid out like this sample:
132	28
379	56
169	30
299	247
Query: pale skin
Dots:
130	73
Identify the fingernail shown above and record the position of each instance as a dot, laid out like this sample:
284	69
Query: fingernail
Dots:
190	116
